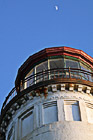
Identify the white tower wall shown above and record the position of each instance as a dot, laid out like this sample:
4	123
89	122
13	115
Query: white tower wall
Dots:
62	115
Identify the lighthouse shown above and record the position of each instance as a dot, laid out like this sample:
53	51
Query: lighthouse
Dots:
52	98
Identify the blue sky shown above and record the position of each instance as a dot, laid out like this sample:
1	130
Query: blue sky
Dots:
27	26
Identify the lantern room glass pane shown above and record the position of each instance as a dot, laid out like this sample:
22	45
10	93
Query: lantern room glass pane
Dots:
83	67
42	67
41	73
86	76
56	66
56	63
74	65
71	63
29	79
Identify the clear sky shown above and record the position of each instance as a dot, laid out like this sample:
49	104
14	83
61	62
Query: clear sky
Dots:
27	26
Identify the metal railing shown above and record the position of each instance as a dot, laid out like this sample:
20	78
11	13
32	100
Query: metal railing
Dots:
49	75
10	96
56	73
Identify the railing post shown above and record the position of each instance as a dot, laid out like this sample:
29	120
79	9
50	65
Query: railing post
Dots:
58	73
49	76
35	75
21	85
43	74
92	77
48	70
54	74
25	84
69	73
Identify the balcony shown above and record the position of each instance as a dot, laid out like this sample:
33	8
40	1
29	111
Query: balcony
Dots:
56	74
53	76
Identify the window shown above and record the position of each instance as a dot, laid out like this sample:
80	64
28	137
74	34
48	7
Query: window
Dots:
50	112
84	75
72	112
10	134
29	79
27	123
71	63
41	68
56	64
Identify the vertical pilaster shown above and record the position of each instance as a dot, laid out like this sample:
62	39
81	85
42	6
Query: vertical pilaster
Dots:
83	113
60	105
16	130
41	116
36	117
35	74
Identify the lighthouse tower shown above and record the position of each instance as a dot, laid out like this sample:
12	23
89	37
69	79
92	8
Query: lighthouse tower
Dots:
52	98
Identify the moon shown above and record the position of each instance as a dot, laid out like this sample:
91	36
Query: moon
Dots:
56	7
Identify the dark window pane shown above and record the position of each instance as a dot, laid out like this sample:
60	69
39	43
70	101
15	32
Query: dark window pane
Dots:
56	63
42	67
84	75
71	63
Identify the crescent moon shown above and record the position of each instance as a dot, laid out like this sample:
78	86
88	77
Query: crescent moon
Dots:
56	7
